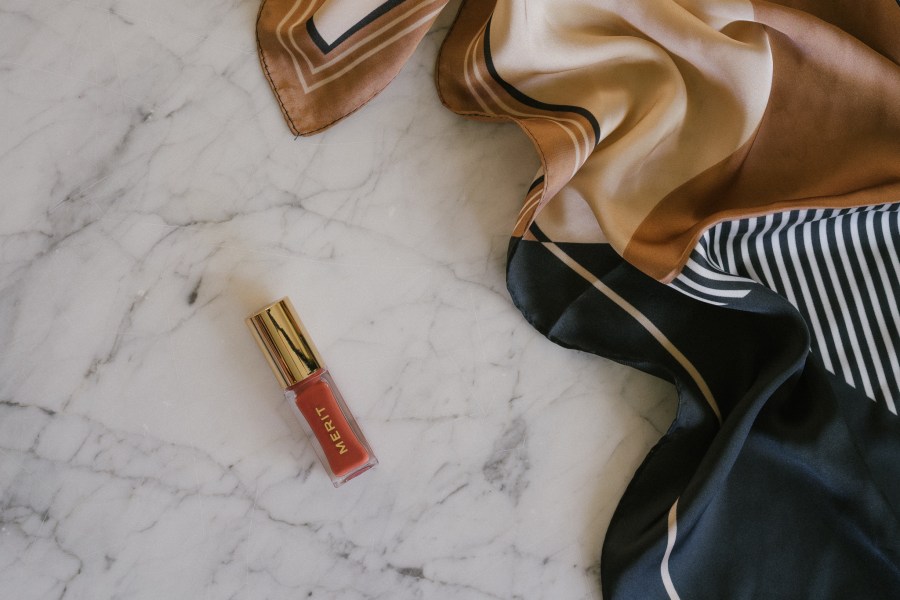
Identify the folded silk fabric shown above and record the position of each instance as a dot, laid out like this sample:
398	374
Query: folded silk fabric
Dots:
718	204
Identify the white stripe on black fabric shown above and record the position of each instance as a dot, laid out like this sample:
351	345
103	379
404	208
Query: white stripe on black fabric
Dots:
644	321
672	534
839	267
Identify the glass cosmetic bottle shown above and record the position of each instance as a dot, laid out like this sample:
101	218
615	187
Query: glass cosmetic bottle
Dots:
309	388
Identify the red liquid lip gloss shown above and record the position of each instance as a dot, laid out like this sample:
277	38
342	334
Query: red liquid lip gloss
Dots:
309	388
320	405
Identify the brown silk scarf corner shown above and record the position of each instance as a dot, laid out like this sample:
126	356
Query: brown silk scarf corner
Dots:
325	59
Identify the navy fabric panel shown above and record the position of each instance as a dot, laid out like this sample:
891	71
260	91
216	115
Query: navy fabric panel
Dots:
794	495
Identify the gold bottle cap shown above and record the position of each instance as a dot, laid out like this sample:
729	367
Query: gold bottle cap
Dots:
285	342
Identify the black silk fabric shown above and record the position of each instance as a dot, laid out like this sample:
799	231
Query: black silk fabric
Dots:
796	494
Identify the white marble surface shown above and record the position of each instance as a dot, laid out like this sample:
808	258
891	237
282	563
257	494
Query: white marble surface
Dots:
151	198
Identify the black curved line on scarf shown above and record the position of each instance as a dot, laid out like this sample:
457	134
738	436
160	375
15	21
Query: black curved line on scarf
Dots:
529	101
540	179
325	47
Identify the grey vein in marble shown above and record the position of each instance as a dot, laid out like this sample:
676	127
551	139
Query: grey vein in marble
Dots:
151	198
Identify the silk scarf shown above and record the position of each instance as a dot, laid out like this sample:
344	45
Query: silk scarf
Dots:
717	205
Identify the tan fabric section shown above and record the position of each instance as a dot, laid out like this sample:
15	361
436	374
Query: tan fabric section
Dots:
563	139
875	23
315	88
449	79
830	138
676	86
569	217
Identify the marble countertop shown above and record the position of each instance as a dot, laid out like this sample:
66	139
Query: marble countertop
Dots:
152	197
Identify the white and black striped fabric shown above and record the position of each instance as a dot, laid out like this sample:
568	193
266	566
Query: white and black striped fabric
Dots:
839	268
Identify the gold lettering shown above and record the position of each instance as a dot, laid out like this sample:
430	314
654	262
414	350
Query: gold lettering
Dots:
332	431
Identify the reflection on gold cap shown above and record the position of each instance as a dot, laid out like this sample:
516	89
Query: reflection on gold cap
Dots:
285	342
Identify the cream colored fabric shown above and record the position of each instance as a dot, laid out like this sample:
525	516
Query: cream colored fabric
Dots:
676	87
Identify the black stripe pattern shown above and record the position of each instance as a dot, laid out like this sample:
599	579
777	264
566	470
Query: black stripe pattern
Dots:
840	268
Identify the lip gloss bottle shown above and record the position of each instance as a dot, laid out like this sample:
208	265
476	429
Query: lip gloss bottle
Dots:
341	446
